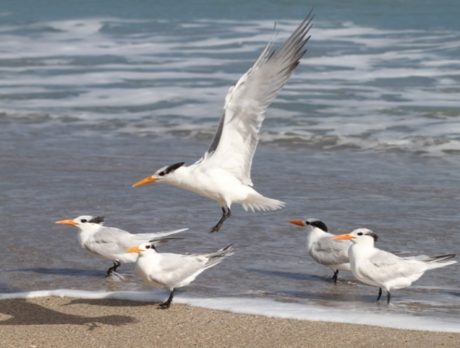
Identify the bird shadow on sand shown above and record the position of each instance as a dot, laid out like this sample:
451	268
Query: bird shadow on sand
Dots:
22	312
291	275
107	302
329	297
73	272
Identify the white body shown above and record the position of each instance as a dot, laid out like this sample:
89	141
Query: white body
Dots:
221	186
328	252
113	243
173	271
382	269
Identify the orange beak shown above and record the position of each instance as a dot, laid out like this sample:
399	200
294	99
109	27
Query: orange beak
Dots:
66	222
134	250
147	180
345	236
297	222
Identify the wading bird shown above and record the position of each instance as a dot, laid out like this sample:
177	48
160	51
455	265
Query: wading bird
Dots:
110	242
382	269
174	271
324	250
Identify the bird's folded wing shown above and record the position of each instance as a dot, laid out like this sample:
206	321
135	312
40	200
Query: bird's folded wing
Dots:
178	267
111	241
331	252
155	236
235	142
385	266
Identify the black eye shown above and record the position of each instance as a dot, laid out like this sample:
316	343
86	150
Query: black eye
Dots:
307	222
147	247
360	233
83	220
161	173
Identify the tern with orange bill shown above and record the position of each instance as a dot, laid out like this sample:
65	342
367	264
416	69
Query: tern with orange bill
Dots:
383	269
324	250
174	271
112	243
223	174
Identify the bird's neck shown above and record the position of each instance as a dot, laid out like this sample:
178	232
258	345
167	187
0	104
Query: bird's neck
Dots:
147	258
314	235
362	249
88	231
180	177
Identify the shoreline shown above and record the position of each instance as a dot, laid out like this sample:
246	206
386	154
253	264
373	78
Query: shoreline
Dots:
263	307
72	322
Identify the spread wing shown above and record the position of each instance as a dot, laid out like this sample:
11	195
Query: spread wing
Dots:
330	252
235	142
384	266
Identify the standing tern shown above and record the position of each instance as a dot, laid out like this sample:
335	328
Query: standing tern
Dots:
382	269
324	250
174	270
223	174
110	242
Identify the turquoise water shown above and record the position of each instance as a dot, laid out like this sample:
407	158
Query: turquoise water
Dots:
96	95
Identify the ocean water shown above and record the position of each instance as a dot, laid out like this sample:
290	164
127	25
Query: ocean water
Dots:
366	133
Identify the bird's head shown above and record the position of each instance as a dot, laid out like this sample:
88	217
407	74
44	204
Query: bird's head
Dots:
358	236
310	223
163	174
143	248
84	222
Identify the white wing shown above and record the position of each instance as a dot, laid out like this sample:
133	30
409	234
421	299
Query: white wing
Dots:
235	142
384	266
330	252
156	237
175	270
110	242
178	270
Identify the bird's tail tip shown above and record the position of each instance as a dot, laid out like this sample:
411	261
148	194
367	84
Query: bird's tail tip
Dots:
228	249
441	261
256	202
441	258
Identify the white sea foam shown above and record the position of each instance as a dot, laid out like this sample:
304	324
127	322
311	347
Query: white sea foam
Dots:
265	307
358	86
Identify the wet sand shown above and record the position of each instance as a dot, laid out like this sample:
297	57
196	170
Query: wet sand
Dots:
67	322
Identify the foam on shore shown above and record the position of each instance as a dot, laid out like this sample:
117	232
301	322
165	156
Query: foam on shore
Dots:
264	307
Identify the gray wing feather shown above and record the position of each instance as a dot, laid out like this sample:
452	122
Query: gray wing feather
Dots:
217	136
385	266
330	252
236	139
111	241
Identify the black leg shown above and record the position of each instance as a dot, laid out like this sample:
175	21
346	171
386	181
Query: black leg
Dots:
334	277
167	303
226	213
112	269
380	294
388	297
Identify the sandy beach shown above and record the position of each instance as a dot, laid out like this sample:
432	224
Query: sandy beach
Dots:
67	322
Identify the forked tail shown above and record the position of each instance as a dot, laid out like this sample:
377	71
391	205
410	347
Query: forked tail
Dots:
440	261
256	201
219	255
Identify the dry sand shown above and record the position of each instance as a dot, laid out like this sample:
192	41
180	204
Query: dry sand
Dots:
66	322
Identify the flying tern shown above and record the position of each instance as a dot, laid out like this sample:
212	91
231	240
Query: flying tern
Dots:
324	250
382	269
110	242
174	271
223	174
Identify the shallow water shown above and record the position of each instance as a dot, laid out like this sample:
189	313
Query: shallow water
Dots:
364	134
59	172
